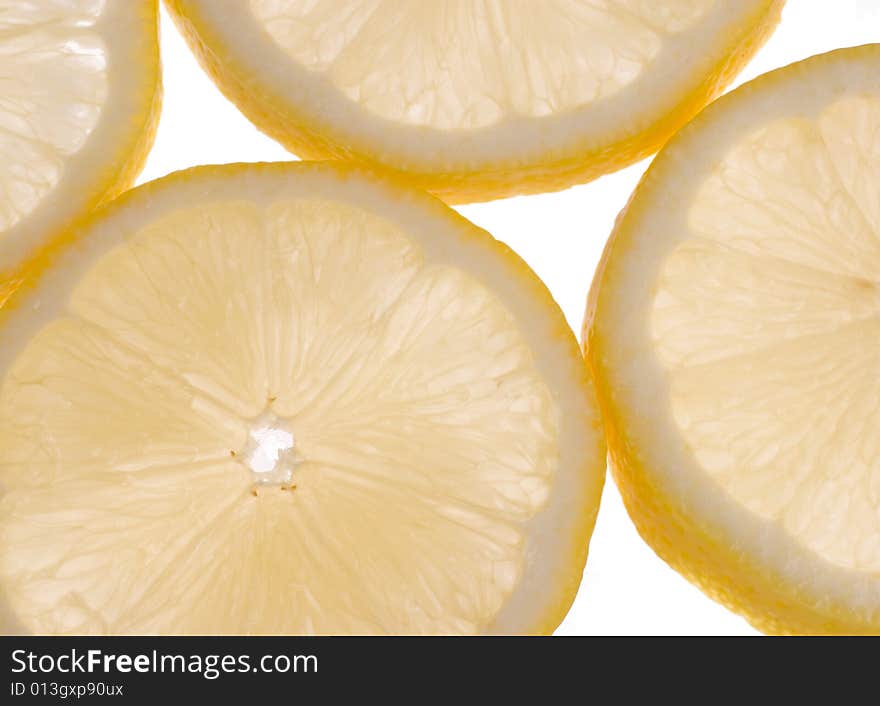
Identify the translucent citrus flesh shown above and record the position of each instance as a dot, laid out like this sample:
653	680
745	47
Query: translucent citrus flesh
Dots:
769	324
79	101
475	99
762	327
465	64
54	81
274	416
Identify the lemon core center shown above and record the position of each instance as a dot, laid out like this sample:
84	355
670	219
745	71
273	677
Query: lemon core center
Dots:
269	453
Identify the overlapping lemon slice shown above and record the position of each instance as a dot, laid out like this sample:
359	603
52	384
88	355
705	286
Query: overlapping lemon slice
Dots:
735	336
475	99
79	102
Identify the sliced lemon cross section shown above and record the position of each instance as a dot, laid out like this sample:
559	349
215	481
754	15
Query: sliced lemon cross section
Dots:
291	399
79	101
735	334
475	99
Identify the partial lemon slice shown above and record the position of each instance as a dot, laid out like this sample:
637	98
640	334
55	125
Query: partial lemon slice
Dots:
475	99
79	101
290	399
735	337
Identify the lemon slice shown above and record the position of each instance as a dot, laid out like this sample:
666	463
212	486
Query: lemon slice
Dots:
735	338
291	399
79	101
475	99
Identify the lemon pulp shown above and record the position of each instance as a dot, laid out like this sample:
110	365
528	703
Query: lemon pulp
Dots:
79	101
54	78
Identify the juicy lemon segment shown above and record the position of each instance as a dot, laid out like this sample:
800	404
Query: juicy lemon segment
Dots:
475	99
41	126
79	98
736	339
286	399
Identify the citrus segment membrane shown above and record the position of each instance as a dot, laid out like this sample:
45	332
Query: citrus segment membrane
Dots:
756	348
282	413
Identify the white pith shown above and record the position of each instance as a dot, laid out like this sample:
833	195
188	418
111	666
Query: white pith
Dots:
642	64
439	433
75	83
749	365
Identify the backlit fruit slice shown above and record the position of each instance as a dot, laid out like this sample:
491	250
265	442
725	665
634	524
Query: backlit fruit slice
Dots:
79	100
475	99
735	339
291	399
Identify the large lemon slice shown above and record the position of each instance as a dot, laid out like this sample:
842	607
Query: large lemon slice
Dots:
79	102
475	99
288	399
736	340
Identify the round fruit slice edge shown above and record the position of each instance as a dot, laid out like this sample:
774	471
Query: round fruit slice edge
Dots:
732	569
47	284
310	135
28	241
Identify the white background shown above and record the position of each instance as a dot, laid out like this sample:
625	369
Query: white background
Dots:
626	588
